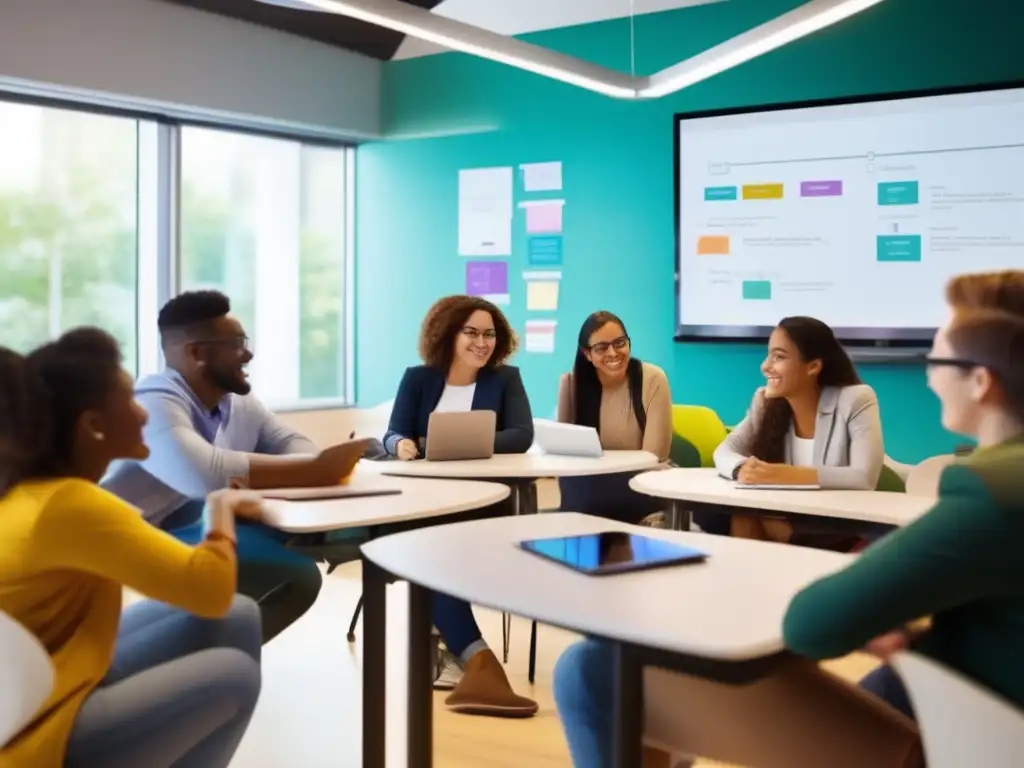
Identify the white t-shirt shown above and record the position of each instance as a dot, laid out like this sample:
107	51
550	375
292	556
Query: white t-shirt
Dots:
802	450
456	399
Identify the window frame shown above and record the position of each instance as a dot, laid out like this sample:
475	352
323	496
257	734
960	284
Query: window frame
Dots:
158	214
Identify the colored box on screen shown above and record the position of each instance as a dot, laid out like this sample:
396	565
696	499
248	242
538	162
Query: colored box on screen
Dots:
899	247
712	194
762	191
821	188
897	193
757	290
713	245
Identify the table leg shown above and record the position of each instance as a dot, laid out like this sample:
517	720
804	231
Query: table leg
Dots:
375	663
679	518
420	730
628	709
517	499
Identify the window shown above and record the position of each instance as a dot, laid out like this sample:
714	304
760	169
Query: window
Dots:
264	220
68	225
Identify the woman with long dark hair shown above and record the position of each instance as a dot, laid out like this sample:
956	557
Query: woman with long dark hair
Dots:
172	681
813	423
627	401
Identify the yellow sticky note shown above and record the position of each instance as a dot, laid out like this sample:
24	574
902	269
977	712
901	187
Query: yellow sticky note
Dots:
542	295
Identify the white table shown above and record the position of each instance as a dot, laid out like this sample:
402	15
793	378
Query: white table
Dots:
418	499
520	466
706	486
521	471
723	617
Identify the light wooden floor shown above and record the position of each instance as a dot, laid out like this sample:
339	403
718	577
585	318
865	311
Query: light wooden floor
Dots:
309	712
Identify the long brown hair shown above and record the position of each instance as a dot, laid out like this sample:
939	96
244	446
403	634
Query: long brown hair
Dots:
814	340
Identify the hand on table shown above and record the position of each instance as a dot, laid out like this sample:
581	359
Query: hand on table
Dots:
334	465
406	450
757	472
223	506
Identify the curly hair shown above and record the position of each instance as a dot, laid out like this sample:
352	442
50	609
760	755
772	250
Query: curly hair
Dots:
446	319
814	340
42	396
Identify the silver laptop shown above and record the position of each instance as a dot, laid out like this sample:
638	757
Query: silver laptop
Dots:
561	439
457	435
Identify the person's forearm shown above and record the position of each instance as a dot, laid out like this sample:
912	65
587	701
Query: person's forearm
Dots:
294	471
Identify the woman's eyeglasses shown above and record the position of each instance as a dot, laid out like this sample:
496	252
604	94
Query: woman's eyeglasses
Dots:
476	334
602	347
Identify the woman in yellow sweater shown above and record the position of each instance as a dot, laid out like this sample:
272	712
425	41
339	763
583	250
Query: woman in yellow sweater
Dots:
159	685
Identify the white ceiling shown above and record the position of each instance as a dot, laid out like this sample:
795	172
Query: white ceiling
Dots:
517	17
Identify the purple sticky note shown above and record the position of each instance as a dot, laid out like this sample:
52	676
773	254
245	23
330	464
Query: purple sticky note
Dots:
486	278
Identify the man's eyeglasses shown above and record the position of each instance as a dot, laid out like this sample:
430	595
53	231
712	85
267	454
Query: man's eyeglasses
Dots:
601	348
476	334
240	344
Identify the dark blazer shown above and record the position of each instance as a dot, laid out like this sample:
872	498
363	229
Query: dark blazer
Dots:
497	389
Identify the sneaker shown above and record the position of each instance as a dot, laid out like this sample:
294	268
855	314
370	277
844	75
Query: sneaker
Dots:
448	670
485	690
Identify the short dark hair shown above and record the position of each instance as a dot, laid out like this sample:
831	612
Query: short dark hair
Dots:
988	328
448	317
42	396
190	310
814	340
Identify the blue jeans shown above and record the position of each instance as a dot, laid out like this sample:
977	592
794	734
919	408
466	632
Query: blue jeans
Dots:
179	692
584	694
284	582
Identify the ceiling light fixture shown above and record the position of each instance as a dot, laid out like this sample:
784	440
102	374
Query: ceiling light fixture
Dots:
459	36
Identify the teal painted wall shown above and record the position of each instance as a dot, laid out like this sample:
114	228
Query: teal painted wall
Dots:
618	179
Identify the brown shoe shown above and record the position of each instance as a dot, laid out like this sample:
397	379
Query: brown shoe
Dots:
485	690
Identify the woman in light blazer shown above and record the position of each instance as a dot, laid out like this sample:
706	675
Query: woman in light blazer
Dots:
814	423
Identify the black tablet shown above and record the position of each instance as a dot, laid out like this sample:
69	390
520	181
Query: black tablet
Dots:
599	554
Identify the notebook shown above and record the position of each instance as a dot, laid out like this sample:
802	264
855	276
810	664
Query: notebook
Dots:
329	492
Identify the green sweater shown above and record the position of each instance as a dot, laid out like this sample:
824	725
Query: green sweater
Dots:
961	564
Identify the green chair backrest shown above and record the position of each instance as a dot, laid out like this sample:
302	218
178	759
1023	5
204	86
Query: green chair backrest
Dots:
697	432
890	481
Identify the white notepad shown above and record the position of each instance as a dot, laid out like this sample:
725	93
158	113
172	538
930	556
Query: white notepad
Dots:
329	492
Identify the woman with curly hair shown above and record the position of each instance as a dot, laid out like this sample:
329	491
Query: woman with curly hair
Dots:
464	343
813	423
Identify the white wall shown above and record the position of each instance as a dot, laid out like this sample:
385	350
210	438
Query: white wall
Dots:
193	62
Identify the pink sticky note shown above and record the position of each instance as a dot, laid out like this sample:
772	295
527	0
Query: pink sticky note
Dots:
544	218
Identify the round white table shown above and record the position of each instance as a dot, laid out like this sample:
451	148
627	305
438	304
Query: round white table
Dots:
724	618
417	499
706	486
520	471
520	466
